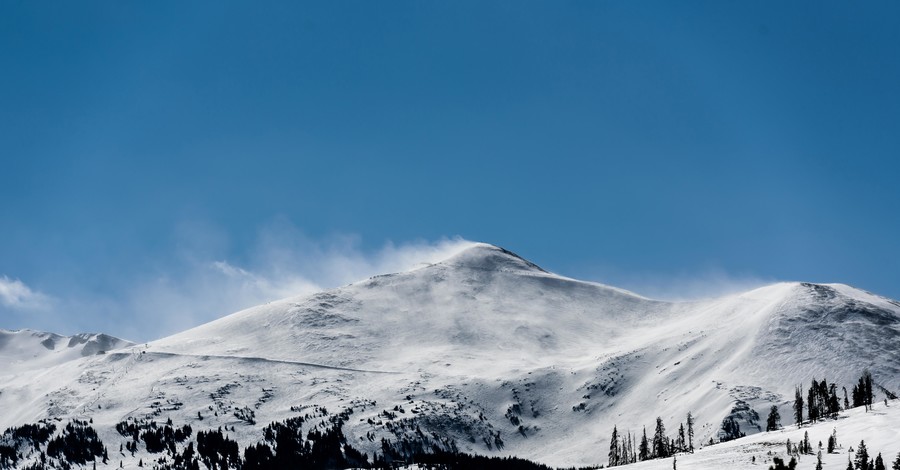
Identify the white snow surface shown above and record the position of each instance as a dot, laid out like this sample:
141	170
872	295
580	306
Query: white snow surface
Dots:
25	350
878	428
481	343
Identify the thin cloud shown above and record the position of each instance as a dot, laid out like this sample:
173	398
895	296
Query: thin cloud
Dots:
15	294
707	284
283	263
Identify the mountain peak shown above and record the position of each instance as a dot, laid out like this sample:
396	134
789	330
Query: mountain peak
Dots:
487	257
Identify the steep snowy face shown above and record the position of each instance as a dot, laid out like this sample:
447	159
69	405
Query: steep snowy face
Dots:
820	330
28	349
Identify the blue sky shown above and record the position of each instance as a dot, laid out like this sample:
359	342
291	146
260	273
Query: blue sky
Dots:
165	163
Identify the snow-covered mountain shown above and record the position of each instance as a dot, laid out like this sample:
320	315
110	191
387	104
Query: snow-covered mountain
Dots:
28	349
484	349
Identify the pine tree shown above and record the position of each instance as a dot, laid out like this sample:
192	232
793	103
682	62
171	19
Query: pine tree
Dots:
867	390
632	458
730	429
862	391
834	404
774	419
822	399
862	456
679	442
644	449
614	448
778	464
626	450
896	464
633	450
690	432
660	448
819	461
807	449
798	406
879	463
812	406
846	401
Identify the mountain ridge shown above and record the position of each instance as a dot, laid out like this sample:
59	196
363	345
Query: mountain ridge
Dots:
485	345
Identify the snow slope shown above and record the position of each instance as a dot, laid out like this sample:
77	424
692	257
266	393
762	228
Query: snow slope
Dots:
480	345
878	428
23	350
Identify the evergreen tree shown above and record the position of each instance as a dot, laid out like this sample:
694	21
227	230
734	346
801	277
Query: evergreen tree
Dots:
867	388
834	404
774	419
846	401
822	399
862	391
690	432
644	449
632	458
626	445
798	406
730	429
879	463
896	464
660	448
679	442
862	457
778	464
812	405
614	448
633	450
819	461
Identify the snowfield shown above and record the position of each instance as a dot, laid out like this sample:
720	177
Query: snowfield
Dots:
879	429
492	352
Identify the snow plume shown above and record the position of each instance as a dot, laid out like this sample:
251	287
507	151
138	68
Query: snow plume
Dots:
282	263
15	294
707	284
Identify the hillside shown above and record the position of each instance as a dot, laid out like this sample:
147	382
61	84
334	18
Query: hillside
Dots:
878	428
485	350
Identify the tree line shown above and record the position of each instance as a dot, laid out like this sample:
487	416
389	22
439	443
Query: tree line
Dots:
622	450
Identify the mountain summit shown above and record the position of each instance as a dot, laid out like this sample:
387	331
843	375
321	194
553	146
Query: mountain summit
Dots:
486	353
488	257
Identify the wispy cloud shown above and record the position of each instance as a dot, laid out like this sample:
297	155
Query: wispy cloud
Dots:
705	284
283	262
15	294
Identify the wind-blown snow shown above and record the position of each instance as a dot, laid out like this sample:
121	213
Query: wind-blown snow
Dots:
486	342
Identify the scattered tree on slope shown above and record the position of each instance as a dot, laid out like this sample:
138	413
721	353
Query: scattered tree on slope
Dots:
774	419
